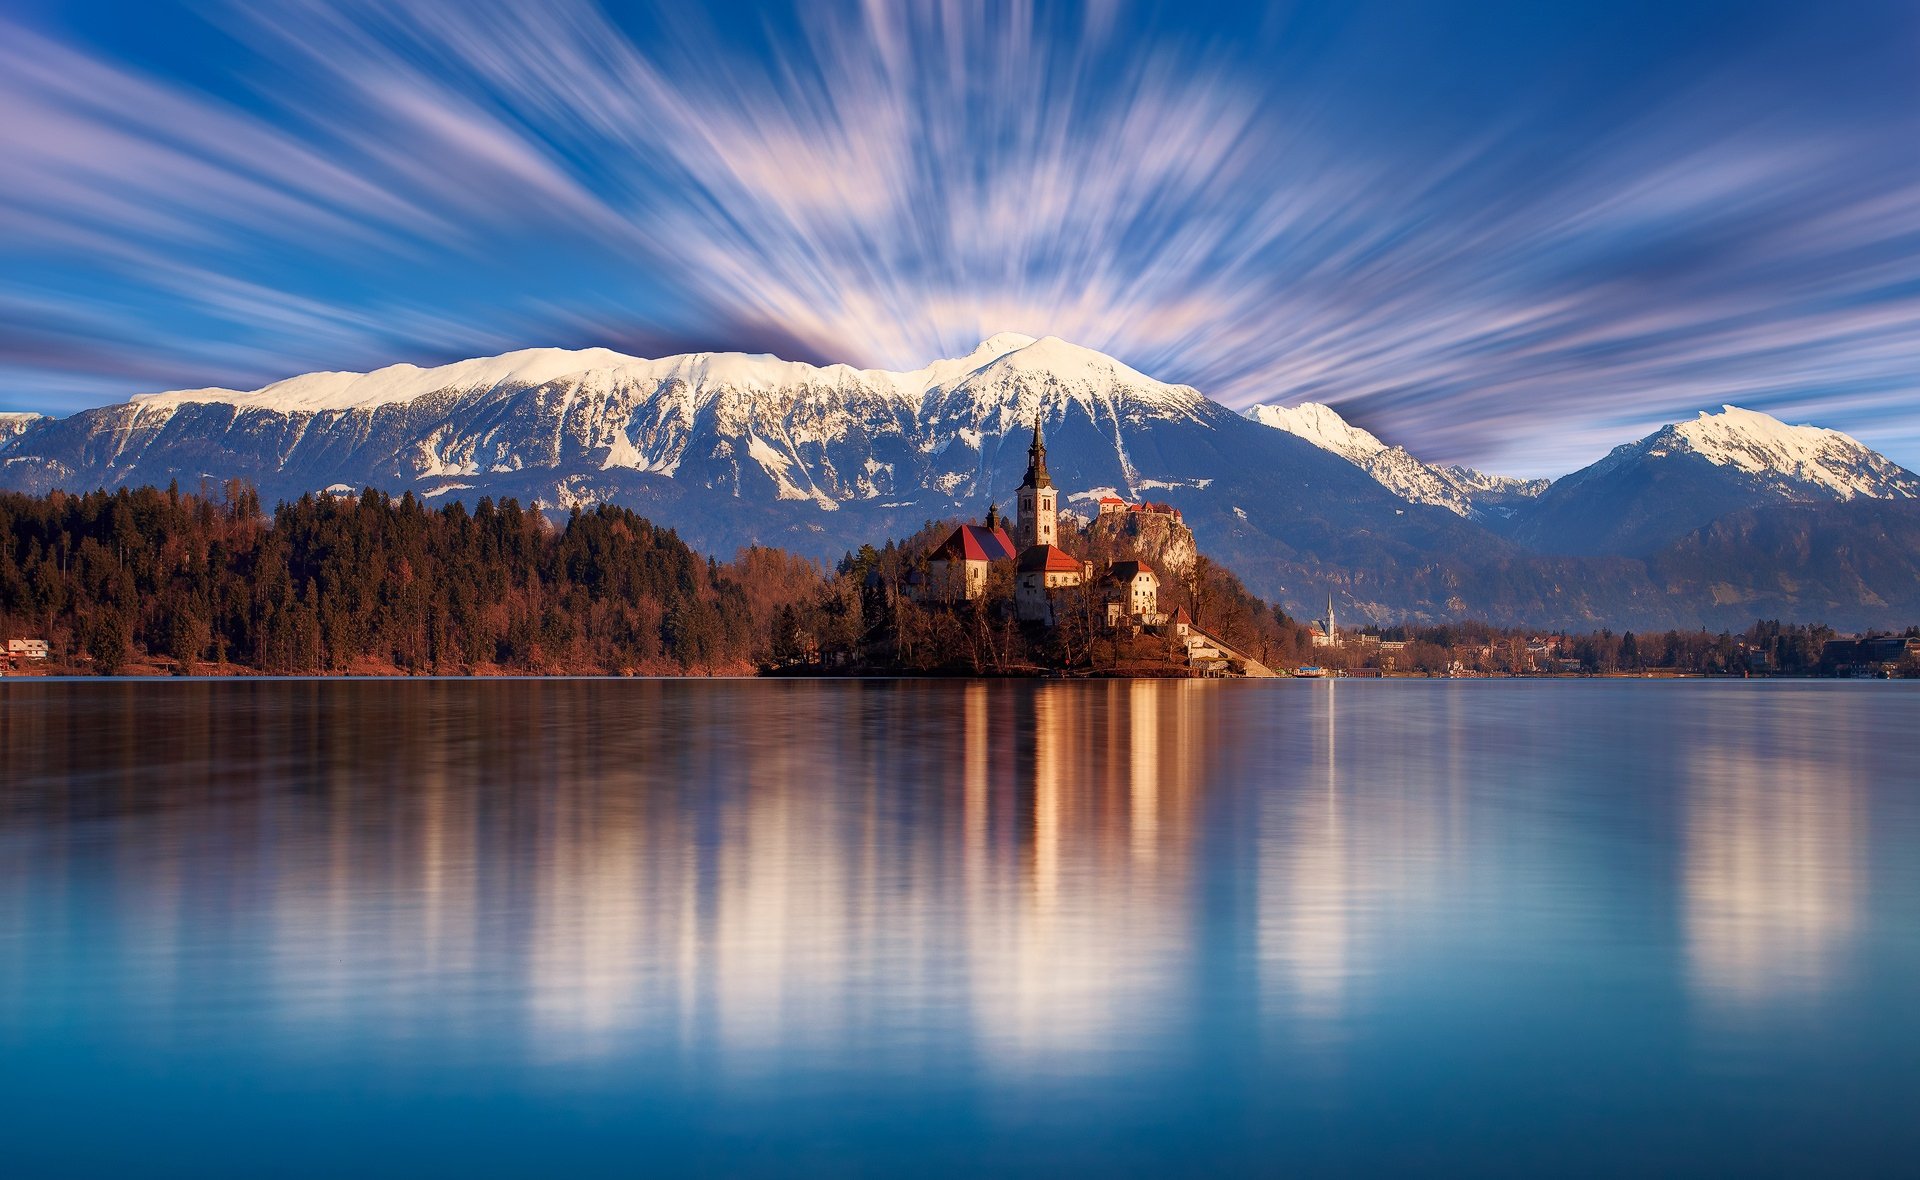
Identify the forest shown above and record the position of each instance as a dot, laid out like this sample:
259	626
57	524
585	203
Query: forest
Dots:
161	581
150	580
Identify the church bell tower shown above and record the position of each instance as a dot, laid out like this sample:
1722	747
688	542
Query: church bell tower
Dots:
1037	516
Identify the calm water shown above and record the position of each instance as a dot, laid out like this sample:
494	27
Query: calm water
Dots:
346	928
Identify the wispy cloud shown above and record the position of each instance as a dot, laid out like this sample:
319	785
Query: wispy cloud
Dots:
1294	202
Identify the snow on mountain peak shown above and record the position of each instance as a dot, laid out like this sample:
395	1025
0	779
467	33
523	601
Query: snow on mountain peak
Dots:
1001	343
401	383
1051	372
1071	362
1461	490
1322	426
1760	444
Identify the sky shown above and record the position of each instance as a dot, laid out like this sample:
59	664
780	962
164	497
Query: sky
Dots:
1509	234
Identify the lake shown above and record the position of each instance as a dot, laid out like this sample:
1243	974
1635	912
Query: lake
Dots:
776	927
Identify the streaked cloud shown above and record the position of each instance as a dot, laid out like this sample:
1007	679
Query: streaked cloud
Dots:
1501	234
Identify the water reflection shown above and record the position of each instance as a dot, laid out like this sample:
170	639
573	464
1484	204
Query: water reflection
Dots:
1308	894
792	880
1775	862
1016	900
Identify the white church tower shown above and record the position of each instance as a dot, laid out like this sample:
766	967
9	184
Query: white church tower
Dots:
1039	500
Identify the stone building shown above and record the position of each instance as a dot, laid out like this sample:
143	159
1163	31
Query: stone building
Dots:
1133	594
1041	572
957	568
1037	510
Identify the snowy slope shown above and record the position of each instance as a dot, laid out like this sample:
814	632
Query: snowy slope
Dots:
1804	462
1652	491
14	424
1458	489
749	426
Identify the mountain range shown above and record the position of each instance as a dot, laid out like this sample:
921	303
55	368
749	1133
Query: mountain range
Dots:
1712	522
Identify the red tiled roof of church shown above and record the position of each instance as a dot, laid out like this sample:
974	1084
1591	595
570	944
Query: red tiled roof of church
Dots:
972	542
1049	559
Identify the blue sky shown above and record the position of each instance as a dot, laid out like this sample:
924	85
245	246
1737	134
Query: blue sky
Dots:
1507	234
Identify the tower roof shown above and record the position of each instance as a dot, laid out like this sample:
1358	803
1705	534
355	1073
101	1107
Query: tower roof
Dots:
1037	476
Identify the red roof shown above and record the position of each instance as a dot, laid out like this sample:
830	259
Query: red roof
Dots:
1111	500
1127	571
972	542
1049	559
1180	615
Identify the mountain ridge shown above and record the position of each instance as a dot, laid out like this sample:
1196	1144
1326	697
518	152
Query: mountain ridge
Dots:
1462	490
733	449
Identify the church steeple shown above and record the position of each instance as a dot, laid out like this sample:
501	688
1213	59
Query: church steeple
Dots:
1037	459
1037	521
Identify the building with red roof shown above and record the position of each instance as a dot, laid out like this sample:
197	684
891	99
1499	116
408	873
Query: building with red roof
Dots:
1040	572
957	567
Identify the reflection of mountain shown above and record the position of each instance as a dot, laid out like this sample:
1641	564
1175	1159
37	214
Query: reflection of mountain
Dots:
1774	861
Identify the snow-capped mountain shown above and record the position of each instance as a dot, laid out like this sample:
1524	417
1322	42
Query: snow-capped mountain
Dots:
569	423
13	425
1461	490
1646	493
1800	462
732	449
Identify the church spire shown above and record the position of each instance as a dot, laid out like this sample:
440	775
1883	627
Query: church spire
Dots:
1038	522
1037	458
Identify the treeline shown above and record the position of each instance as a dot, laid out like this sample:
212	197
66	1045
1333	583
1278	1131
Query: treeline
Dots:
1769	647
150	578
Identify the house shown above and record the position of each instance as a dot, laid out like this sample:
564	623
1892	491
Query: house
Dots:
1133	593
1112	504
26	649
1182	622
1041	571
957	567
1874	655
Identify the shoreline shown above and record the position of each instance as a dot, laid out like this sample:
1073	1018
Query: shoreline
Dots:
153	676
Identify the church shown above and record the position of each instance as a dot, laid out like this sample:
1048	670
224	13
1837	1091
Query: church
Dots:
957	568
1042	567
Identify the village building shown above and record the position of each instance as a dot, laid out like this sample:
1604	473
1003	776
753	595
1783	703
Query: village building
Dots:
21	650
1326	632
1040	573
1869	656
957	568
1133	594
